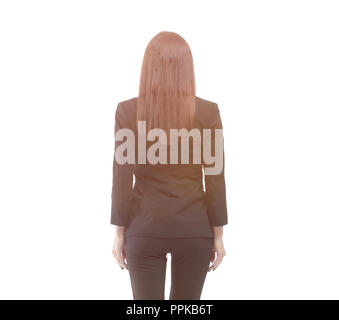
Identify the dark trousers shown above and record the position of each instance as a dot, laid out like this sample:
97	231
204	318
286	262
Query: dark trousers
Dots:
146	261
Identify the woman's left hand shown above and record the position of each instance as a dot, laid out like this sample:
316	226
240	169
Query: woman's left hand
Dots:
119	248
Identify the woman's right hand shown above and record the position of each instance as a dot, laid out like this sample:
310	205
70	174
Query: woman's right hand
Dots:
218	251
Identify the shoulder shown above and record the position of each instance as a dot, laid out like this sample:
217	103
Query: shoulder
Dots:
125	112
207	112
127	106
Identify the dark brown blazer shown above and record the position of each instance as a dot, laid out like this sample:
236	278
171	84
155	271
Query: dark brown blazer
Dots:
167	200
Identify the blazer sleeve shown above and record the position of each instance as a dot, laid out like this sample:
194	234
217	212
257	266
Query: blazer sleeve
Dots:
215	184
122	184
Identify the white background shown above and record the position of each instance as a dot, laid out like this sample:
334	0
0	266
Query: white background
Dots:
273	69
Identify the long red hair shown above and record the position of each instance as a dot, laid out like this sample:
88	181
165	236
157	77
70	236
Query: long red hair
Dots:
167	84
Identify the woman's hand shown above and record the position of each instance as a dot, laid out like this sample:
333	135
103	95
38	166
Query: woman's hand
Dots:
119	247
218	251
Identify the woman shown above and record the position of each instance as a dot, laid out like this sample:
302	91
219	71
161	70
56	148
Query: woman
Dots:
172	206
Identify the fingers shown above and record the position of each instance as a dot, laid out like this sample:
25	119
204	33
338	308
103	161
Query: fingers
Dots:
118	255
123	257
119	260
220	256
213	255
